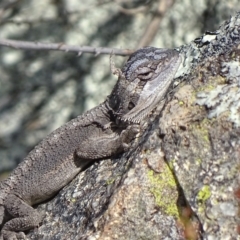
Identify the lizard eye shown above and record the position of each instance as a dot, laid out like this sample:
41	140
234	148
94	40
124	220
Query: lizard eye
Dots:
144	73
145	76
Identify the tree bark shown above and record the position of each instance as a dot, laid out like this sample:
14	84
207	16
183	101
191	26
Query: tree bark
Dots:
180	179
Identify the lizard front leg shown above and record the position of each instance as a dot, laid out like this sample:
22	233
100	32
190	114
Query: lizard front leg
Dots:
106	144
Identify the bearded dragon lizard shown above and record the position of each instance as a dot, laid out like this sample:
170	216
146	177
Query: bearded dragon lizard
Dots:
104	131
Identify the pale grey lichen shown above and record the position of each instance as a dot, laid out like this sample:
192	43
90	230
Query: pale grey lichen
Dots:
231	70
225	97
228	209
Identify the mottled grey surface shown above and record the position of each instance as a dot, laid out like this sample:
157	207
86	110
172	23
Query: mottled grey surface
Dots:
202	153
40	91
202	131
198	135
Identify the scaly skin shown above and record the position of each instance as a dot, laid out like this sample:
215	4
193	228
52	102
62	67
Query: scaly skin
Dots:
104	131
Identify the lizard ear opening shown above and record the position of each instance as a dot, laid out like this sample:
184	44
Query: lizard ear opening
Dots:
131	105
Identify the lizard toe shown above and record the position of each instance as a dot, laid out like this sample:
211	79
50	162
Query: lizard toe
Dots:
9	235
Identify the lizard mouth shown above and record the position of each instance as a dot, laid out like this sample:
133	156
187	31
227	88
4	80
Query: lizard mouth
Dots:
153	92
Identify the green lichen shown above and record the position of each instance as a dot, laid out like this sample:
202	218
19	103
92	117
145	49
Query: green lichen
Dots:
204	194
206	88
199	161
163	187
110	181
201	132
212	84
171	164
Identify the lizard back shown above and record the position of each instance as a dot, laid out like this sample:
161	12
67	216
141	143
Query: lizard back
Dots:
51	164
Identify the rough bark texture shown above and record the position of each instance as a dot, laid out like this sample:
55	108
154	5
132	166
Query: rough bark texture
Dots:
188	154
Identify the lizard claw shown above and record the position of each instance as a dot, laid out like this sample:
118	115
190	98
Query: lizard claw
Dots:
9	235
129	134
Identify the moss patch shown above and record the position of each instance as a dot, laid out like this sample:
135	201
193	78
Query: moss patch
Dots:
204	194
163	187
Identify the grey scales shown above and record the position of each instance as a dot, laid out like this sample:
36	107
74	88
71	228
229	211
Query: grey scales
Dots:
101	132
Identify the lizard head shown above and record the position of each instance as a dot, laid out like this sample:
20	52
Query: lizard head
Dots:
146	77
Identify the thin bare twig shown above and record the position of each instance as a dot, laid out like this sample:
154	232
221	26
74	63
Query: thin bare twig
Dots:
151	29
63	47
6	5
29	21
9	4
34	20
89	8
133	11
143	7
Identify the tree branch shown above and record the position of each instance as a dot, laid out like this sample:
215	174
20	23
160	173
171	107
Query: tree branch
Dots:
152	28
63	47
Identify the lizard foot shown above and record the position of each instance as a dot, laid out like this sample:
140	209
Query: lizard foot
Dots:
129	134
9	235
